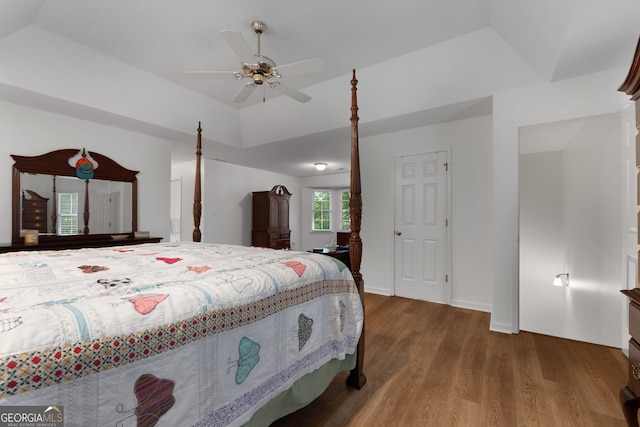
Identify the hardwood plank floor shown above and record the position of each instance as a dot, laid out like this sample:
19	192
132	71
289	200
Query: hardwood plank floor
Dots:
434	365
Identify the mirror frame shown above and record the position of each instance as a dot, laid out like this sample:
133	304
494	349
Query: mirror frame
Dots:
56	163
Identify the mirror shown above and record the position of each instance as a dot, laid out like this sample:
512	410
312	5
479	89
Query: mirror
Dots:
49	197
109	204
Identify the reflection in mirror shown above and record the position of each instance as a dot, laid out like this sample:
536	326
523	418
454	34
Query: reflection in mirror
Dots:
47	195
62	201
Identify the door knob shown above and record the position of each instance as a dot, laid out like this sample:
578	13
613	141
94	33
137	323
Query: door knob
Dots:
398	233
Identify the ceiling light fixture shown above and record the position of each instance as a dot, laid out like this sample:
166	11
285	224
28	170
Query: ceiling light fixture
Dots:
321	166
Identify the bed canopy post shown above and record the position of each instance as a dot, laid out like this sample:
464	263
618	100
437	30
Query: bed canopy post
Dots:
356	378
197	192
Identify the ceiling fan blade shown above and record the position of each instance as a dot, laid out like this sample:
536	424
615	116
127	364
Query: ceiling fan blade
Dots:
236	41
244	92
209	75
292	93
303	67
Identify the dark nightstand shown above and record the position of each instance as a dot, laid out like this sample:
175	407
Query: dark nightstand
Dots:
341	253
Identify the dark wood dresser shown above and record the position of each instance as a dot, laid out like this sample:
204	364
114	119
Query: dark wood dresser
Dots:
34	212
56	243
271	218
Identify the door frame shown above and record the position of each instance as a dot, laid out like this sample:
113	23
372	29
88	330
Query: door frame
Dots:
448	230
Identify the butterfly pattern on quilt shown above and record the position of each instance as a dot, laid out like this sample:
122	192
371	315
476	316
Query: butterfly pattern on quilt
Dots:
238	281
155	398
341	265
146	303
114	283
249	352
92	268
169	260
198	269
304	330
297	266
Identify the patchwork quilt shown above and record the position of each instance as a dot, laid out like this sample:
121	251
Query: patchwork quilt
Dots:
168	334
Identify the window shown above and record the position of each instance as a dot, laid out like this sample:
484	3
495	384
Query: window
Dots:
345	212
325	216
321	210
67	214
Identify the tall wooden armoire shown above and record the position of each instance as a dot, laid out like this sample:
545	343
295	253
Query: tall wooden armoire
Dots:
271	218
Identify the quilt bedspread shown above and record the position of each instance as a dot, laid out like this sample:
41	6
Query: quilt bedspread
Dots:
169	333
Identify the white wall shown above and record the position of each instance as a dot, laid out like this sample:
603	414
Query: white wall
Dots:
570	211
227	200
593	172
29	132
469	142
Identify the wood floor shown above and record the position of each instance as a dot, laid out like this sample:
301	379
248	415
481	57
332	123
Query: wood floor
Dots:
435	365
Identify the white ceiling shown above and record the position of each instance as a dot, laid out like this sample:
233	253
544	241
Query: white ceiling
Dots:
556	39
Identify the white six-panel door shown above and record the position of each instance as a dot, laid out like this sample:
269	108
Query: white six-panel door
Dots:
100	213
420	227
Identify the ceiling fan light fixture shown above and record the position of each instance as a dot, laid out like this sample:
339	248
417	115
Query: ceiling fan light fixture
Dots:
320	166
258	78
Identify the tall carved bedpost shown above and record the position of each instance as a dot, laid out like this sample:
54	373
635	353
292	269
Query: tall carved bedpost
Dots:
356	378
197	192
54	208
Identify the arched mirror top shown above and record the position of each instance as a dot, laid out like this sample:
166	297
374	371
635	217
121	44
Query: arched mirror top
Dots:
60	163
81	166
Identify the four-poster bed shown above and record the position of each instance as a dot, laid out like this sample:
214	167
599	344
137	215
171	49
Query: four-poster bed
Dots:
186	333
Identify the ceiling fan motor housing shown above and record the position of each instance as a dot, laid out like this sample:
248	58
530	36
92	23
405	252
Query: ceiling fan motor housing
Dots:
258	26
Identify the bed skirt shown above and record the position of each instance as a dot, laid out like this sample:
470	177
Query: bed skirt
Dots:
303	392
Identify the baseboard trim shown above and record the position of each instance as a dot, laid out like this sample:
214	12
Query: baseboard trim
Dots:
378	291
504	328
471	305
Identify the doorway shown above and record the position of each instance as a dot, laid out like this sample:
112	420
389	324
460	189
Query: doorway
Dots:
573	203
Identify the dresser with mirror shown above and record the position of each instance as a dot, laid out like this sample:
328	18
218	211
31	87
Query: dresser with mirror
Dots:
73	198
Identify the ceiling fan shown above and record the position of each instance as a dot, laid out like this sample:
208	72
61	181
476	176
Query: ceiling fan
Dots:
260	69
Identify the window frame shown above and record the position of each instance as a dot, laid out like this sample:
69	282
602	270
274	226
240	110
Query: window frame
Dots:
61	216
325	213
345	210
337	209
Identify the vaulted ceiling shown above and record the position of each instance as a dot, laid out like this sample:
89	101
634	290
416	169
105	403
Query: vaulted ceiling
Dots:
419	62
